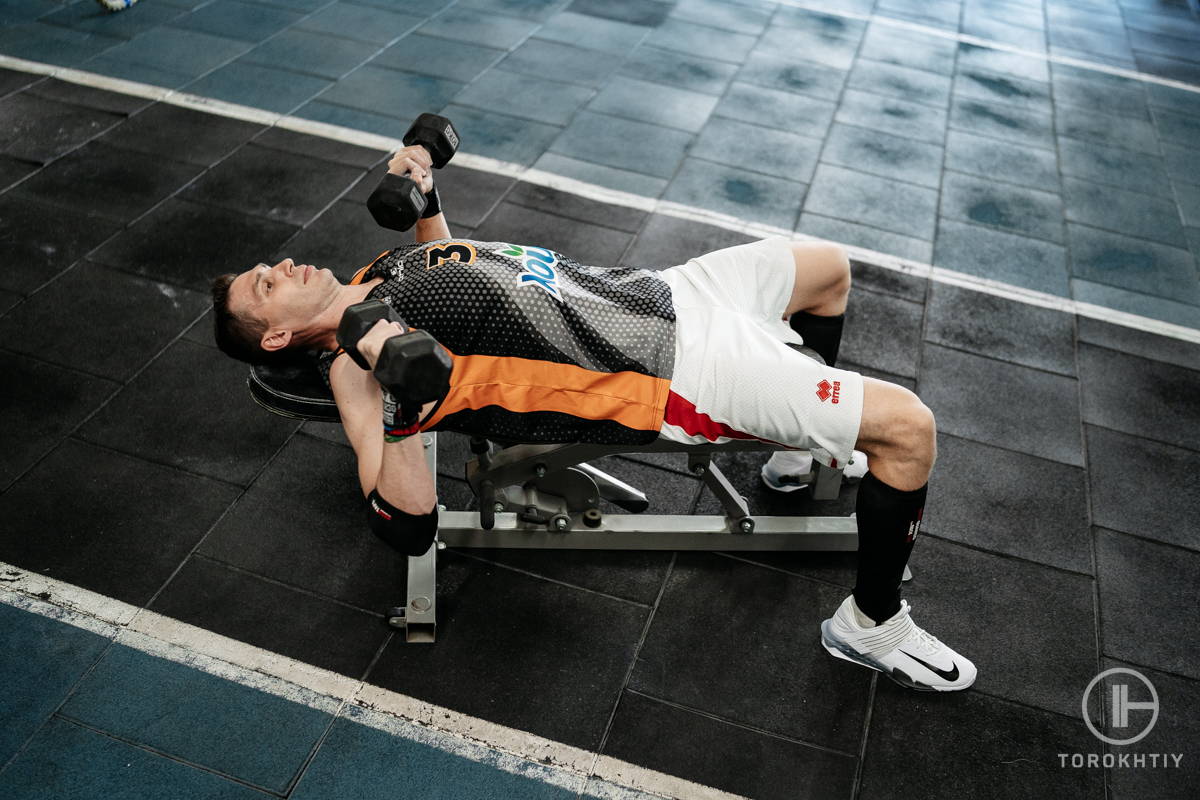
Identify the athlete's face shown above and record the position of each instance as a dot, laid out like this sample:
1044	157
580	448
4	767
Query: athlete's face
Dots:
288	297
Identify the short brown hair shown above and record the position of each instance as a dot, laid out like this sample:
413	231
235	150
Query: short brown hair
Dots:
240	336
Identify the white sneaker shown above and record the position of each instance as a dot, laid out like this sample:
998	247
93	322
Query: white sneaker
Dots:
897	648
790	470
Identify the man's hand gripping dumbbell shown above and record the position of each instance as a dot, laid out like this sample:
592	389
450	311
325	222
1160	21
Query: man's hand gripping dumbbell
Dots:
406	193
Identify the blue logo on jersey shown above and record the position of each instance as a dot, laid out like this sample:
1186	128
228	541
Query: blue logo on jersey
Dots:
537	267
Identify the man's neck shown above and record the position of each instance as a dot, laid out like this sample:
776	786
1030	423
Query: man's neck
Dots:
347	296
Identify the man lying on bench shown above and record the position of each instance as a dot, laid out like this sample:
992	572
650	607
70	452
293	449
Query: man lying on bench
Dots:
544	349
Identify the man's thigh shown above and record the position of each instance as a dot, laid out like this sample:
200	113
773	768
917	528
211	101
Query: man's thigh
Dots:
755	279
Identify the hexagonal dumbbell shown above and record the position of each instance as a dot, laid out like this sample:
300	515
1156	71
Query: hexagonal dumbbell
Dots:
411	365
397	202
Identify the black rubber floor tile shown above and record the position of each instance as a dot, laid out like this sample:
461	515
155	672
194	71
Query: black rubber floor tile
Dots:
956	593
105	180
1003	404
110	523
1175	732
519	651
319	147
756	660
882	332
977	746
584	242
468	195
629	575
12	80
1010	503
37	129
127	320
190	409
888	281
8	300
38	241
40	404
668	492
1144	615
190	244
1000	328
669	241
304	523
13	170
344	238
728	757
1139	343
1138	396
89	97
182	134
1142	487
271	183
564	204
296	624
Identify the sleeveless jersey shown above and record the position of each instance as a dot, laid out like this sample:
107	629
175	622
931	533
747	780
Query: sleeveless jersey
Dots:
544	349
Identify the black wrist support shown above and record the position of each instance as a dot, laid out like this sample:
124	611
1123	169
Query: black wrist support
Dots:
433	204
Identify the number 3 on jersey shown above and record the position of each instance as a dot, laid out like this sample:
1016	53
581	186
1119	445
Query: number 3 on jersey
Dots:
451	251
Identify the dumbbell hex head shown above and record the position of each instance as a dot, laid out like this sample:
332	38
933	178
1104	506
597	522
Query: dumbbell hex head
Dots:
436	134
414	368
357	320
397	202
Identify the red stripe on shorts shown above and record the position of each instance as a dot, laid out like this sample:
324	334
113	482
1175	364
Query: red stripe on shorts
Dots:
682	413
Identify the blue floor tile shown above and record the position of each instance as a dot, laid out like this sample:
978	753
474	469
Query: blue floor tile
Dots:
654	103
880	153
794	113
246	733
258	86
1007	257
89	16
1115	166
911	49
120	67
981	155
426	55
971	57
364	23
935	13
871	200
737	192
824	38
53	45
791	74
839	230
609	177
774	152
994	30
1134	264
1119	97
624	144
694	73
1020	210
178	50
1143	305
1182	129
360	760
355	118
543	58
41	660
500	136
1180	101
67	761
1105	129
308	52
478	27
391	92
900	117
912	85
1131	213
1007	123
524	96
232	19
751	19
536	10
1188	197
1088	41
594	33
685	37
1004	90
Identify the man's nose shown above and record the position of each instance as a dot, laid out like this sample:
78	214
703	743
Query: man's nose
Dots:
287	265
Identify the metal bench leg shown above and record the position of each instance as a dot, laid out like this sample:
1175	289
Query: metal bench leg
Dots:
418	618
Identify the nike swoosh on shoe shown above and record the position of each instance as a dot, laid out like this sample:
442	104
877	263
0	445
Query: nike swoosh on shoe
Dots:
949	675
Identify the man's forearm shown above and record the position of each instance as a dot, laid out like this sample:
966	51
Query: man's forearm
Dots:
404	477
433	228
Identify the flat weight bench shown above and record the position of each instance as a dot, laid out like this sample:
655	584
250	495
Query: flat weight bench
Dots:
548	497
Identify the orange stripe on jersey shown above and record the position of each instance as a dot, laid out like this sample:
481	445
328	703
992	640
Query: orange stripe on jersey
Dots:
521	385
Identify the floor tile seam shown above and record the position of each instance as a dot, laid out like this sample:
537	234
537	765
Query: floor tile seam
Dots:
951	126
1126	289
1191	449
999	46
1007	556
469	553
334	718
531	205
5	347
1191	679
633	661
617	114
254	140
880	259
885	96
1183	550
750	169
157	752
1171	179
865	737
1000	359
783	737
734	555
889	133
290	68
1111	349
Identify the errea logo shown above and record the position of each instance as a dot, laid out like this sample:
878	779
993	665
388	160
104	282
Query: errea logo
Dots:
827	390
537	267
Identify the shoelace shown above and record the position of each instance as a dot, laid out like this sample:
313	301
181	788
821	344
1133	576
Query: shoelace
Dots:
925	640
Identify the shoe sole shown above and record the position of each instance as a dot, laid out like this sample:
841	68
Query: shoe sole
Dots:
846	652
785	488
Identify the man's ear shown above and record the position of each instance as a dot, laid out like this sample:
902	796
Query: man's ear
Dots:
277	339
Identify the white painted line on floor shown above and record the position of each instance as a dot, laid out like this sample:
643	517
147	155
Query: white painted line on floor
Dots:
967	38
611	196
519	752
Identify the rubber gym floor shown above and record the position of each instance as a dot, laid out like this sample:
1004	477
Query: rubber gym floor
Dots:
192	605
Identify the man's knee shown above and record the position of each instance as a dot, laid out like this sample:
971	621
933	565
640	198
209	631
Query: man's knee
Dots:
895	420
823	274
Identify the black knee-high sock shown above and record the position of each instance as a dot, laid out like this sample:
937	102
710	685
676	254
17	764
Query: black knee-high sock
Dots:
823	334
888	523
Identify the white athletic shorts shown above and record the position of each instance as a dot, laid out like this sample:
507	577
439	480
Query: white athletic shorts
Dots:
735	377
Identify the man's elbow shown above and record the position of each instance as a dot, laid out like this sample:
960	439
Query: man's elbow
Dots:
411	534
